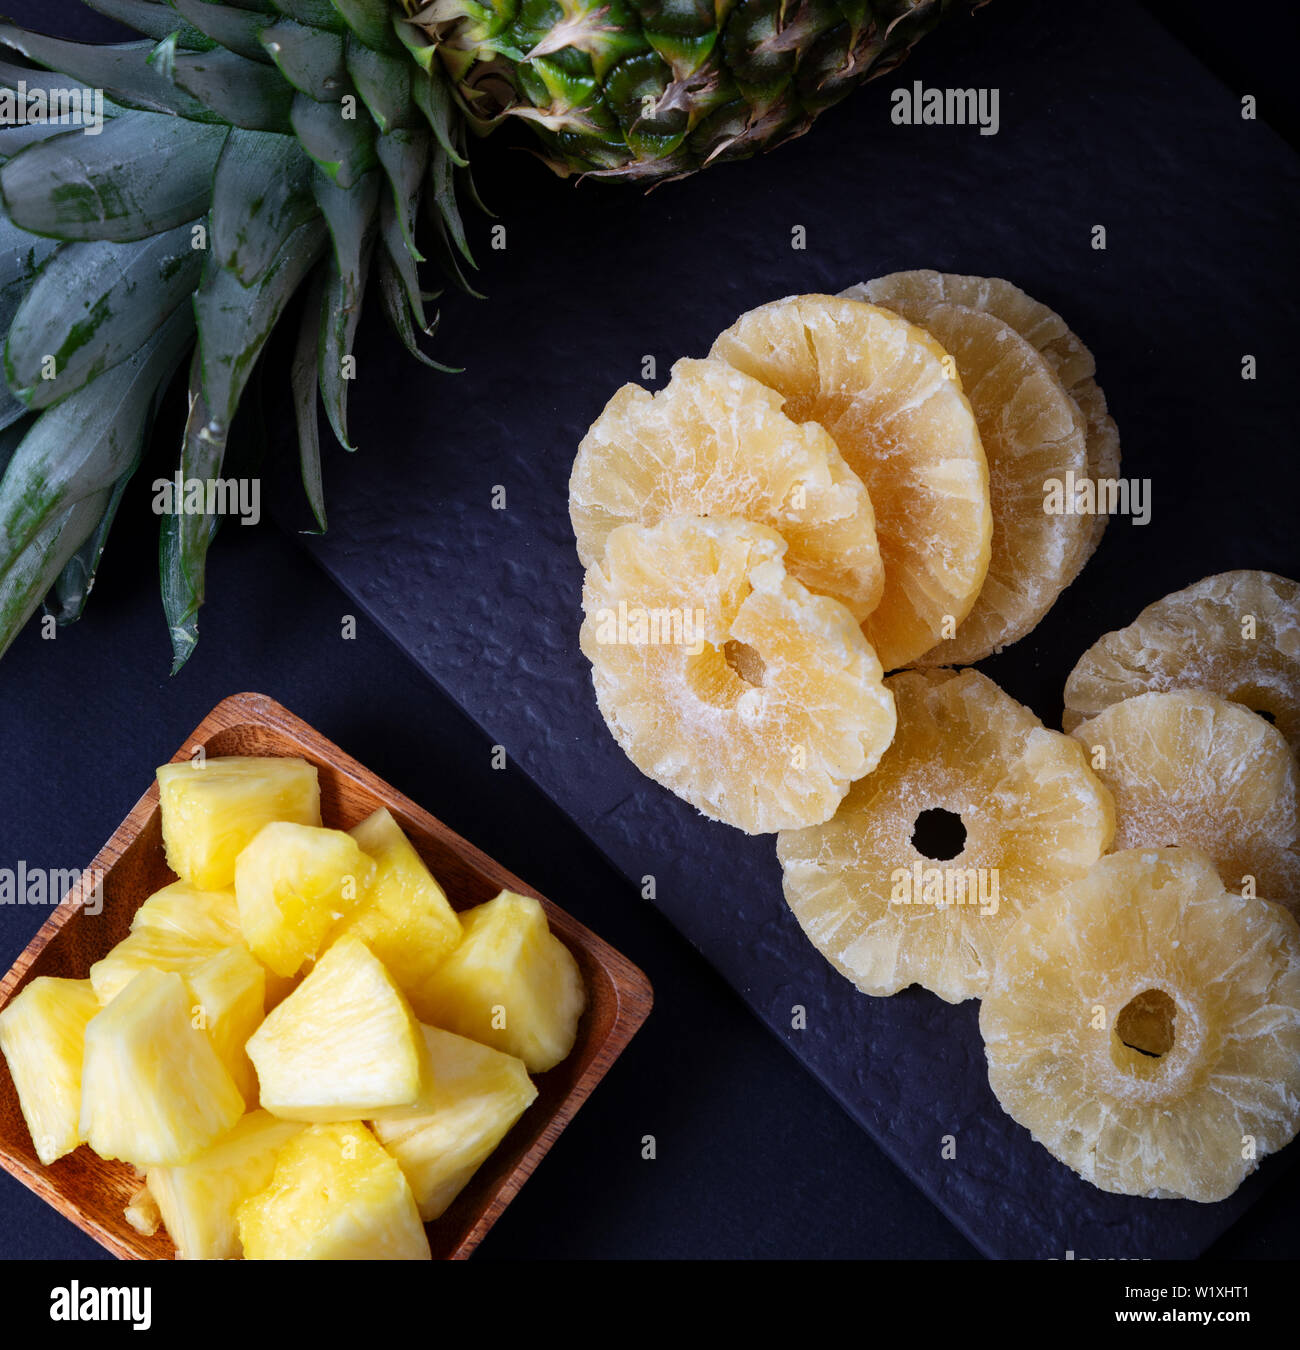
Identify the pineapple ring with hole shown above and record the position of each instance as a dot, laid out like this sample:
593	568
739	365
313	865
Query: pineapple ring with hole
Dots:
750	697
1032	431
891	398
1144	1024
1237	633
915	293
1032	817
1189	767
714	442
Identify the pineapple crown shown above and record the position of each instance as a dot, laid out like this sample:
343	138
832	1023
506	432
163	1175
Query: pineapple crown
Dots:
262	158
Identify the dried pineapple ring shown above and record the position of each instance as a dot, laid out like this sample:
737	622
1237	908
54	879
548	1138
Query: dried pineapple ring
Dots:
915	293
715	442
757	702
1032	431
888	394
1237	633
1189	767
1033	815
1144	1026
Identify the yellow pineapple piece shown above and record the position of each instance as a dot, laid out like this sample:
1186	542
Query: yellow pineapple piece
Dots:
892	400
890	903
1144	1026
470	1097
142	1212
198	1200
404	916
153	1089
913	293
293	884
228	993
343	1046
767	708
42	1035
714	442
1236	634
211	809
336	1195
511	984
177	928
1032	432
1189	767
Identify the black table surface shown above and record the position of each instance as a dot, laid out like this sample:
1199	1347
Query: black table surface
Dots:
753	1158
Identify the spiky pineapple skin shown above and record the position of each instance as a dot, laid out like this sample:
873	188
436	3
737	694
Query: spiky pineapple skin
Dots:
643	89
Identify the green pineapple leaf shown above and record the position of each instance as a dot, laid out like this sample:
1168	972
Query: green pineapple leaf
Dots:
83	445
235	29
153	20
262	193
93	305
123	72
351	216
235	321
73	585
141	175
313	13
404	155
392	291
372	22
383	83
312	61
344	147
303	380
239	91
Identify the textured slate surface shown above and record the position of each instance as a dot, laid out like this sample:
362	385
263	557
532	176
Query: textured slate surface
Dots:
1104	121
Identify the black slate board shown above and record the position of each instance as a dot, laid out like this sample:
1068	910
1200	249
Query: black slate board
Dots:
1104	121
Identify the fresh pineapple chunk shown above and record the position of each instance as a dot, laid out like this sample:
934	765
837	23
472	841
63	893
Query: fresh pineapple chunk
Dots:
178	928
343	1046
153	1089
511	984
404	917
42	1033
212	809
470	1097
336	1196
228	994
209	916
198	1201
293	883
142	1212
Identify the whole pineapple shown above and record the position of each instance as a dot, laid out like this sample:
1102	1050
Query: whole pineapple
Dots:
259	158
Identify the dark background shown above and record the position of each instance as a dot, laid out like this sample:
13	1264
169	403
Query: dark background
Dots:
753	1158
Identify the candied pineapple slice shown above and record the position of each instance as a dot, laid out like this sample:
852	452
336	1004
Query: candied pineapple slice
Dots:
511	984
153	1089
1189	767
42	1035
335	1195
1144	1026
212	808
177	928
1236	634
198	1200
470	1097
763	704
343	1046
714	442
1032	432
892	401
404	916
915	293
886	898
229	1001
293	884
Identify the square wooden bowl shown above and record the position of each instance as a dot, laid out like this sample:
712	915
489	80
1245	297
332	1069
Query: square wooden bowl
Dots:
93	1192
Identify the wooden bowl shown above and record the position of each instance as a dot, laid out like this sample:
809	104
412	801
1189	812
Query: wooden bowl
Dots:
93	1192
